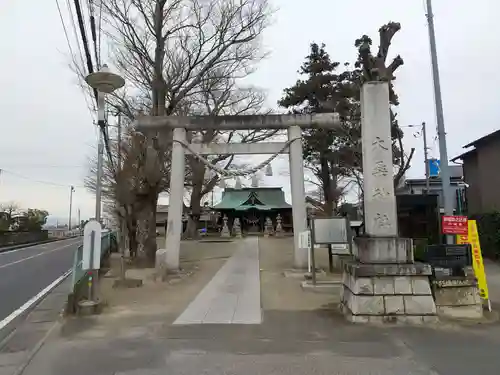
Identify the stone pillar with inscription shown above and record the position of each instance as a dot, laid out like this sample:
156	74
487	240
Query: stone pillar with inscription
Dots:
383	283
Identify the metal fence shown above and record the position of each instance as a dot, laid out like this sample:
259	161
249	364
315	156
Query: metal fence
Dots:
78	273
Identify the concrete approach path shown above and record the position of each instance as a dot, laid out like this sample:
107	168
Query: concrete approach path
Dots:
233	295
301	332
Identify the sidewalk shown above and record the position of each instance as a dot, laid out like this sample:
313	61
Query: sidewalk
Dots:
301	331
20	342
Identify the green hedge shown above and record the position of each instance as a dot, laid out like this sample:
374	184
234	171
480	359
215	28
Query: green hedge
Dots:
489	233
419	246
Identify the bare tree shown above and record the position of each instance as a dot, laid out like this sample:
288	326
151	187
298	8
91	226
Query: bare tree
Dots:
220	96
169	52
125	190
375	68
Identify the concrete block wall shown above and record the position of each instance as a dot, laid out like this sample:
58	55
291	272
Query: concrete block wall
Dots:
403	298
458	298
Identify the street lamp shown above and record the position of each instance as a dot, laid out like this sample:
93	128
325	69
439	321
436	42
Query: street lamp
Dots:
105	82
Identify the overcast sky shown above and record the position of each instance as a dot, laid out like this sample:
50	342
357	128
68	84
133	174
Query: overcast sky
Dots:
47	130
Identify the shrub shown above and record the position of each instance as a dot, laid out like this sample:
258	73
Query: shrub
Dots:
488	225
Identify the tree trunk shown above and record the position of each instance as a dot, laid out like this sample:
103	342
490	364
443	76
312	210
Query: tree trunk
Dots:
192	226
150	223
198	173
132	238
326	184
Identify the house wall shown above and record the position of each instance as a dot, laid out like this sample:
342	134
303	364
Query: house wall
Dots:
489	165
472	178
481	172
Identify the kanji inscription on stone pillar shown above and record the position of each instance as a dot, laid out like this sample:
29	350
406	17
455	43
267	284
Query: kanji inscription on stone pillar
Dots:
379	199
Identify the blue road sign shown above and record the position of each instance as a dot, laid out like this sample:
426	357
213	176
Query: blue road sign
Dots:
434	169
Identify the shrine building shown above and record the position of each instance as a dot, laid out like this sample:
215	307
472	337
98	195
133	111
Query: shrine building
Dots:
253	206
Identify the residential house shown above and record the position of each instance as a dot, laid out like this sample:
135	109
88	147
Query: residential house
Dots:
481	167
418	186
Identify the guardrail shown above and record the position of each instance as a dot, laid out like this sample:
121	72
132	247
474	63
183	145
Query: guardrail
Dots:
108	240
62	233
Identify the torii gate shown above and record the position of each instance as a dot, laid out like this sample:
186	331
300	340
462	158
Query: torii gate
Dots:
169	257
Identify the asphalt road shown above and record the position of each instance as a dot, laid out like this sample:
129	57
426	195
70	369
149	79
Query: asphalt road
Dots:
27	271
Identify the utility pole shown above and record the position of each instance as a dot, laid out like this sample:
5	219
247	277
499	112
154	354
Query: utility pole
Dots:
100	155
119	157
79	221
98	188
426	158
445	172
71	190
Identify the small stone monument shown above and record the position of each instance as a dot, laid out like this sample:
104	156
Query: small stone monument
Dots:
225	230
237	228
268	227
279	228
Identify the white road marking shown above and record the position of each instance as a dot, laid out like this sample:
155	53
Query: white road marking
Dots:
36	255
32	247
33	300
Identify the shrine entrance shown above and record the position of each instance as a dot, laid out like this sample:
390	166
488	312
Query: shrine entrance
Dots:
169	257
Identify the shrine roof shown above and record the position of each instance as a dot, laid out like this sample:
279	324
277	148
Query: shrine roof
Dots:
263	199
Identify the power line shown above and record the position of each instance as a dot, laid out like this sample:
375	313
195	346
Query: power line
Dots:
99	29
64	28
73	25
73	58
44	166
83	34
2	170
88	58
93	31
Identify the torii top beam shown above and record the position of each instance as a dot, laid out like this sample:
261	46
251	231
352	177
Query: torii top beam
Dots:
237	122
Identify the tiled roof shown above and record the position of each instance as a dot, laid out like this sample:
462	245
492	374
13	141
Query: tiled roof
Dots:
247	198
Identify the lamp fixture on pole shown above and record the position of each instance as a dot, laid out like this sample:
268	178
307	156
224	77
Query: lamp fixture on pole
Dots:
104	80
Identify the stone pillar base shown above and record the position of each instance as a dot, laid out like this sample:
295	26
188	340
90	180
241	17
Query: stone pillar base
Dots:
387	293
458	297
383	250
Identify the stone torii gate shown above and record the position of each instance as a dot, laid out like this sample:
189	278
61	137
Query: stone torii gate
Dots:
382	282
169	257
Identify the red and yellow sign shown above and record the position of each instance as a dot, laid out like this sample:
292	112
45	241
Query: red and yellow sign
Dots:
454	225
477	257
